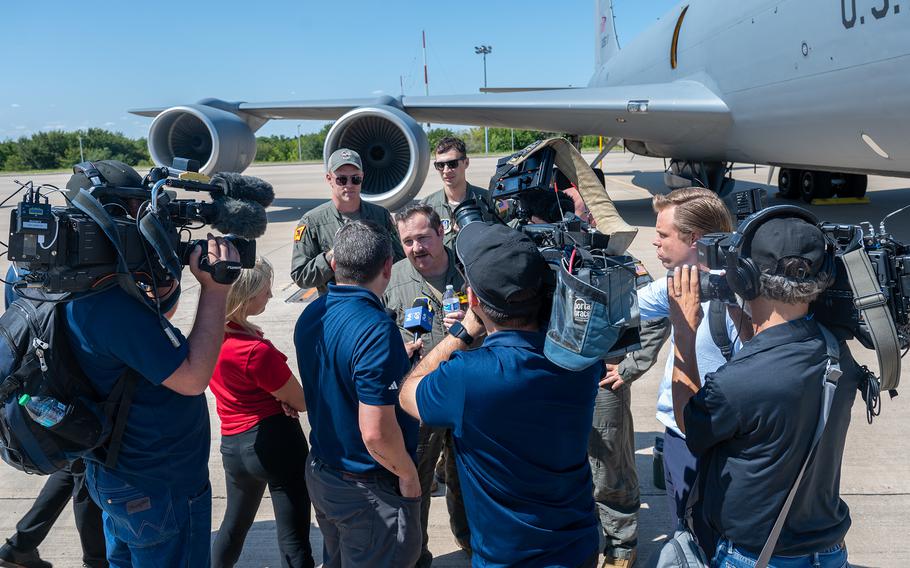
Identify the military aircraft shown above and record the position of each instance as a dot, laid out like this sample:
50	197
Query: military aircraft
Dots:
816	88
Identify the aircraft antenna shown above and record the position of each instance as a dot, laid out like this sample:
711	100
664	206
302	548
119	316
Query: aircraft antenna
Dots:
426	76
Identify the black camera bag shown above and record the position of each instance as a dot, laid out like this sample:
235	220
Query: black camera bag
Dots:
36	359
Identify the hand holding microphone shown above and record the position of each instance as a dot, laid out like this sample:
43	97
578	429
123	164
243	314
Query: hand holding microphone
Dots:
418	319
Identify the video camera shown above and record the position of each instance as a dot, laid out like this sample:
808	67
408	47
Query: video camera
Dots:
586	284
130	225
843	305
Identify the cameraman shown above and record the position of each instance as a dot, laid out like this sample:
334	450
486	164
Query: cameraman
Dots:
751	423
157	498
520	422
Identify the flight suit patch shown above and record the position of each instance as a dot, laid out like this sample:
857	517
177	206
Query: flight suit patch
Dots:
298	232
446	225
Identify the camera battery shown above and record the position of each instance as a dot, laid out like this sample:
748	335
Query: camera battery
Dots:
34	218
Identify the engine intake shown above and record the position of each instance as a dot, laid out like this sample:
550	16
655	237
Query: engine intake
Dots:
220	140
393	148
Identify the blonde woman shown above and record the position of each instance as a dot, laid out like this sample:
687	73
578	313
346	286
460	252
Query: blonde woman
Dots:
260	445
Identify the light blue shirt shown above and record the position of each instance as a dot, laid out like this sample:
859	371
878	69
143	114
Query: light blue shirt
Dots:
653	303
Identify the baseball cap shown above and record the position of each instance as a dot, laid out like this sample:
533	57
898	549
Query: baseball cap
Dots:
787	237
499	264
344	156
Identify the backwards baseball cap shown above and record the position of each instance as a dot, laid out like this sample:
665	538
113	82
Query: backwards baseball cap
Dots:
343	156
500	264
787	237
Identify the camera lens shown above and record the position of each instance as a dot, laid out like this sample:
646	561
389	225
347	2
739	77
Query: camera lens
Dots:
467	212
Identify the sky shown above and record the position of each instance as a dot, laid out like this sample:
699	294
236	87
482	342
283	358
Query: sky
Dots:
78	65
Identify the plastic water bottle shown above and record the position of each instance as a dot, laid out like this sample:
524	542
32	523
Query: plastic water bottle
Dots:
450	301
44	410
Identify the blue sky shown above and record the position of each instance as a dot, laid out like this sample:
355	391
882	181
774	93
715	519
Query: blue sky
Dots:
75	65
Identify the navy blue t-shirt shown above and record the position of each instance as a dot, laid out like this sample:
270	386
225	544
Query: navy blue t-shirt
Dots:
349	351
166	442
521	427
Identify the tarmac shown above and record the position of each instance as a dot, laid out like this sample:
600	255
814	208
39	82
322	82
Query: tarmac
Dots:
875	480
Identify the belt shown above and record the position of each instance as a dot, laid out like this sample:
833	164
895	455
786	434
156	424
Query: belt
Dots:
367	477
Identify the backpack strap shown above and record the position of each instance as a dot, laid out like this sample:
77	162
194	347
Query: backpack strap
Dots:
829	386
118	403
717	323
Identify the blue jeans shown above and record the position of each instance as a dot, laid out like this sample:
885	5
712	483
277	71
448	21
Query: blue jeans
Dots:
730	556
151	527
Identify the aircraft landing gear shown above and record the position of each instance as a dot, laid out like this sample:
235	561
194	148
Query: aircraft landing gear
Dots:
812	184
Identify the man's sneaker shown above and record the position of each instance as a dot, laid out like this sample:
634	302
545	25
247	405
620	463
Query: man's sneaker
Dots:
11	557
627	562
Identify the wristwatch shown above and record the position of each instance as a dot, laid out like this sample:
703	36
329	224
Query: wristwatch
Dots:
458	331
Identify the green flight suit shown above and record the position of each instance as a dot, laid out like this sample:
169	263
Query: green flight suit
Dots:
405	286
440	204
315	236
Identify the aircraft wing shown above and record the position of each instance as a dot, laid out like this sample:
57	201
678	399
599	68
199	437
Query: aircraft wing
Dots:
664	112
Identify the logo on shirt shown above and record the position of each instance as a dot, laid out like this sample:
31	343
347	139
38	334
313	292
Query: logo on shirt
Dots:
393	386
581	311
446	225
298	232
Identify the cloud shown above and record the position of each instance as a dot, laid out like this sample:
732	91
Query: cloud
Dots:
15	105
378	92
109	123
54	126
20	127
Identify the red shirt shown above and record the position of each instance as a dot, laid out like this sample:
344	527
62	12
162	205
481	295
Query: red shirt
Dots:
248	370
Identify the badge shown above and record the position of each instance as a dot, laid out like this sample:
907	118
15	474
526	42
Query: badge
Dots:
446	225
581	311
345	154
640	269
298	232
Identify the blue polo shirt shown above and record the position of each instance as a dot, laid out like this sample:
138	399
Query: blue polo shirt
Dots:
349	351
166	442
521	427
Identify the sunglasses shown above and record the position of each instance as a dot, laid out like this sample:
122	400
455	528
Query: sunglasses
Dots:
451	163
343	180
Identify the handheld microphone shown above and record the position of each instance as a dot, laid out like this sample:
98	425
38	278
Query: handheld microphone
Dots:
418	319
245	188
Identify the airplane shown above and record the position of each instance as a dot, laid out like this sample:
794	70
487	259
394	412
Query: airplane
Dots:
817	89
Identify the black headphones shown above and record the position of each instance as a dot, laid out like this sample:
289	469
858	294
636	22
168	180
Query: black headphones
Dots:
743	275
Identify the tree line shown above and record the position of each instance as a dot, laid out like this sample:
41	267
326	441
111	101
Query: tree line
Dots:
56	150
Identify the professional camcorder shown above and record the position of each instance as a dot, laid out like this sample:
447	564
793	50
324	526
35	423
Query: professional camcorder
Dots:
594	309
119	223
869	298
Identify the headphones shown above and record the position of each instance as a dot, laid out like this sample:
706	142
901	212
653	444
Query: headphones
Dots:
743	275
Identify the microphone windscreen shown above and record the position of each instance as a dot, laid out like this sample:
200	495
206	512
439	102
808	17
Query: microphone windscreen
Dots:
422	302
245	187
245	219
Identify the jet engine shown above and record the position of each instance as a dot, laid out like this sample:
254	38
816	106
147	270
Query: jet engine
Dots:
393	148
220	140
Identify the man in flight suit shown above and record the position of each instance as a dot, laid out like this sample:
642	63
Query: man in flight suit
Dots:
425	273
314	237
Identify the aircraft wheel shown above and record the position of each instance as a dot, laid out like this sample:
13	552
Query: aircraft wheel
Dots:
788	183
855	185
814	185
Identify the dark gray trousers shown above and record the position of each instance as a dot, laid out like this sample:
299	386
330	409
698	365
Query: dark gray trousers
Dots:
363	518
611	451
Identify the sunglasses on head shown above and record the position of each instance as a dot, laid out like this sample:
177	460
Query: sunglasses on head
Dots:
343	180
451	163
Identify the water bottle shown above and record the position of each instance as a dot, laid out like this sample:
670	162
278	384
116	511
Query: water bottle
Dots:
44	410
450	301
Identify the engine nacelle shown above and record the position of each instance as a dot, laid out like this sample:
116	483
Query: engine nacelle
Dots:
220	140
393	148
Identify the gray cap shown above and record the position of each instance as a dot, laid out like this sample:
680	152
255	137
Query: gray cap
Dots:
344	156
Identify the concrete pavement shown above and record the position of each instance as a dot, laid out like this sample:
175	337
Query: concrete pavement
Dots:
875	477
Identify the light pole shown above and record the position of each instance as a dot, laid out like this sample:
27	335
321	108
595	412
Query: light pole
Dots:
484	50
299	150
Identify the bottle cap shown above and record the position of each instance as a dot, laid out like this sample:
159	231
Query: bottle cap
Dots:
23	400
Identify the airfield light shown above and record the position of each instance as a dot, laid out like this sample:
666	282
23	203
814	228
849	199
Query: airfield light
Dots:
485	50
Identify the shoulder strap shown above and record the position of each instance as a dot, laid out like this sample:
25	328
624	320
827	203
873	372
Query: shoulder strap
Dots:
717	323
118	404
832	374
873	306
